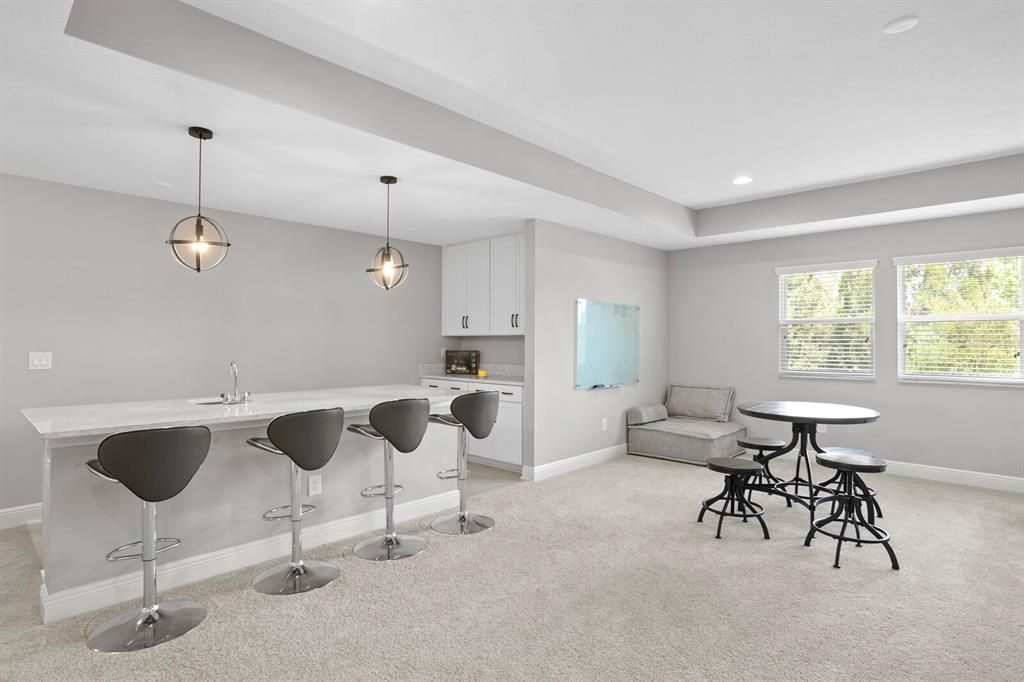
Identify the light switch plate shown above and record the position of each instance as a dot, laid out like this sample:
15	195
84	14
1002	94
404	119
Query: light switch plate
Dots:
316	484
40	360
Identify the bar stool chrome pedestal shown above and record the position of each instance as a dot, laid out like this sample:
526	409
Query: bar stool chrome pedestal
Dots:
155	465
401	424
476	413
309	439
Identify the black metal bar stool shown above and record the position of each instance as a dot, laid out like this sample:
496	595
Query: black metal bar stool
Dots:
847	501
476	413
763	481
309	439
401	424
733	495
867	494
155	465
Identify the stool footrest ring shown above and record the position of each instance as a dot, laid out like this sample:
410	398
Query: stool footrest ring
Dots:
379	490
448	474
285	512
162	545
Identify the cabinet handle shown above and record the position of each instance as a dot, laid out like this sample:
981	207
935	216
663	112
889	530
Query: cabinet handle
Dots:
517	320
506	393
432	386
455	388
512	320
464	321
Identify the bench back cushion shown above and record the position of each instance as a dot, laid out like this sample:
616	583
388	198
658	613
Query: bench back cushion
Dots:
700	402
645	414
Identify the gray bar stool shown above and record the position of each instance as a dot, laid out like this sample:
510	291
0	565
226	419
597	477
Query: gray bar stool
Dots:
476	413
309	439
401	424
155	465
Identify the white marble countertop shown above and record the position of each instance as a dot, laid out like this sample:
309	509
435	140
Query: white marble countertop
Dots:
492	379
92	420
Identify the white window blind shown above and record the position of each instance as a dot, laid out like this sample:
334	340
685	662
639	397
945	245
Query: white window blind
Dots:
961	316
827	320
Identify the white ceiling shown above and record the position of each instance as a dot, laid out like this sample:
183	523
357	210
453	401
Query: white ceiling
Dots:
80	114
688	95
680	97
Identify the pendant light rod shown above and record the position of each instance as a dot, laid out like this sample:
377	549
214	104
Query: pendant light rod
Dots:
200	134
388	180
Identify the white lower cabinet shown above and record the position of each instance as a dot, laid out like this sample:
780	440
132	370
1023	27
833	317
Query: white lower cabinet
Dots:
505	444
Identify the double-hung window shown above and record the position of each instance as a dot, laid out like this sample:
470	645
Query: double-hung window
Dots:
961	317
827	320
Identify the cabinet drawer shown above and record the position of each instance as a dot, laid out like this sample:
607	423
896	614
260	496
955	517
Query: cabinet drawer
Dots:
456	387
507	393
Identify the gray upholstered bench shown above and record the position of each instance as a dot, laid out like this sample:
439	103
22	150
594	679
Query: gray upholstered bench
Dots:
692	426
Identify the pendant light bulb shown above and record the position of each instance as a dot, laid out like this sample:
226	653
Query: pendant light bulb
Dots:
198	242
388	268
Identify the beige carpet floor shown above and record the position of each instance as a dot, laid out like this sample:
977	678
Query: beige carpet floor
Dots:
599	574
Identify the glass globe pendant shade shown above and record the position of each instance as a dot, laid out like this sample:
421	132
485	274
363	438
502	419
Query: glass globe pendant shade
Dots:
198	243
387	268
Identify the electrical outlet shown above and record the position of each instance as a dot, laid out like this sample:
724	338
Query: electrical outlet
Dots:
316	484
40	360
604	423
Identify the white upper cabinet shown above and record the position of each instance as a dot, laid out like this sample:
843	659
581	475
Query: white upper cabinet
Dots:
478	288
466	289
485	287
504	294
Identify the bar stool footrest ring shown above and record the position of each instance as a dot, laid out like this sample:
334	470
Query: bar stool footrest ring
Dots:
285	512
379	490
162	545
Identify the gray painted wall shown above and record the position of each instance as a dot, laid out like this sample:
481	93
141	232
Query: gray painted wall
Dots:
724	313
564	264
85	274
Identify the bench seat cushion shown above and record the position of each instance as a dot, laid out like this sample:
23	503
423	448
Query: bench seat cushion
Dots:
685	439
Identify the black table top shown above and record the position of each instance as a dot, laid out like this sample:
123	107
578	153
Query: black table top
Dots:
809	413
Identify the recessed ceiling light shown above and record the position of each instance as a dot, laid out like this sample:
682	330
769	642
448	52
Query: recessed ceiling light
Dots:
742	180
900	24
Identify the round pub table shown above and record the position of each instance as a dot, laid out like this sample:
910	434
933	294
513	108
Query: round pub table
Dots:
805	418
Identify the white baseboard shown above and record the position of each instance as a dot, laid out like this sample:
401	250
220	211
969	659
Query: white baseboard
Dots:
19	516
173	574
486	461
562	466
976	479
929	472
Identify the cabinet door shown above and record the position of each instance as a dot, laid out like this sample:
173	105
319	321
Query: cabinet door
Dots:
507	436
478	288
503	285
520	311
453	290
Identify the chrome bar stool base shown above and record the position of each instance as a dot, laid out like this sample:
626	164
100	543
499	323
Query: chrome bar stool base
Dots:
291	579
389	547
145	628
462	524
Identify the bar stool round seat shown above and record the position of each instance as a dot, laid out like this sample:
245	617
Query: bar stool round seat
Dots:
847	500
851	459
760	443
836	454
155	465
401	425
309	440
733	465
476	413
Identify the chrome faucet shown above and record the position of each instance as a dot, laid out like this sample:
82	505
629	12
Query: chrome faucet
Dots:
235	398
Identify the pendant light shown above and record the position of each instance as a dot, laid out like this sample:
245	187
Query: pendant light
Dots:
197	241
388	268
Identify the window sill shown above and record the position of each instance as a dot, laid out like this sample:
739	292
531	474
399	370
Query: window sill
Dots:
827	377
1014	383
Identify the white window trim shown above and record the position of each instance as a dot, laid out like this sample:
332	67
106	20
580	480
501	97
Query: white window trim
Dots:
901	319
783	322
